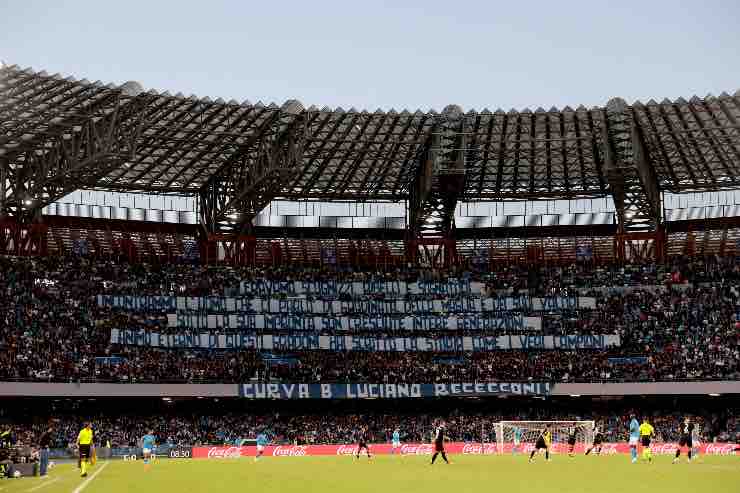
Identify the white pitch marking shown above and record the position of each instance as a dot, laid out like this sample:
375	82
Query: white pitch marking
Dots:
44	483
89	480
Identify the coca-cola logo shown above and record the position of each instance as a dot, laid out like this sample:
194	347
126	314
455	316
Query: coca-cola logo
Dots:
723	449
609	448
291	451
346	450
663	448
478	448
224	452
421	449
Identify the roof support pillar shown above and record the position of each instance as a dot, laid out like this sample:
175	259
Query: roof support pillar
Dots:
633	184
70	153
233	196
439	182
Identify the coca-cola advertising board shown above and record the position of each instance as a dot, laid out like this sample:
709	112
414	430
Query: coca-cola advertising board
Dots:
222	452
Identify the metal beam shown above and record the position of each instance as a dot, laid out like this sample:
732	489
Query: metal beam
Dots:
232	198
629	171
71	155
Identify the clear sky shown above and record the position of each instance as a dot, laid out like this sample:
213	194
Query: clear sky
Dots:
395	54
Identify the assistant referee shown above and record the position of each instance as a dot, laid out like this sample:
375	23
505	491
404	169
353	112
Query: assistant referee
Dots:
84	443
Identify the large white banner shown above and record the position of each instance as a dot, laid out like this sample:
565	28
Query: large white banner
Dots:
506	322
297	342
299	305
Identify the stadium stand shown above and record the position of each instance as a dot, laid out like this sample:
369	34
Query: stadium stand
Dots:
224	296
192	423
55	328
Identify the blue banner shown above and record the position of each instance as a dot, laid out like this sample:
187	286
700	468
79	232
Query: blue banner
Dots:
633	360
387	390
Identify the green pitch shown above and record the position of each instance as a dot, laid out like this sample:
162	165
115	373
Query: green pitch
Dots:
609	474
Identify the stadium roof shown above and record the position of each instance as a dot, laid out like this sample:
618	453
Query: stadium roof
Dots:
59	134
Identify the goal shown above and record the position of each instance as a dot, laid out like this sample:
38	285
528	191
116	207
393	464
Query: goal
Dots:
530	430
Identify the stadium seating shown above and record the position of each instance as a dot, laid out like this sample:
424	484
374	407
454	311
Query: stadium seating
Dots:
675	322
196	423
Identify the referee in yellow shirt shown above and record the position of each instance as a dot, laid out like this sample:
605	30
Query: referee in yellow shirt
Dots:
646	433
84	443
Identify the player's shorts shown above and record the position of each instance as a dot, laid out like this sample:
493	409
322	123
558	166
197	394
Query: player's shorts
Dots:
146	451
361	445
645	441
396	444
540	444
439	446
685	441
634	441
85	451
260	448
516	442
598	439
571	441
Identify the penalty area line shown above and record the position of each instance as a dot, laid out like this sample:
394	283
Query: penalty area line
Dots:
89	480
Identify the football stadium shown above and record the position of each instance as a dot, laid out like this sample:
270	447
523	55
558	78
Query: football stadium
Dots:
202	294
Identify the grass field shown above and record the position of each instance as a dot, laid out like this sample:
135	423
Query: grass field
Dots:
609	474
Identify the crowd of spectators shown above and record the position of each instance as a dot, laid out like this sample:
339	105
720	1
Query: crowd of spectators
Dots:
677	321
231	428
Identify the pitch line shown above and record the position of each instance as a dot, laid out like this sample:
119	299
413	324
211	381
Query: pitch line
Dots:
44	483
89	480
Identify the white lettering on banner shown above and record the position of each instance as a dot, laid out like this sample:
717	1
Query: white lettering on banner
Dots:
289	451
390	391
421	449
479	449
346	450
302	342
303	392
224	452
721	449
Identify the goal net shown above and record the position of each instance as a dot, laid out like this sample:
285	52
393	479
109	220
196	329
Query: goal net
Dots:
525	434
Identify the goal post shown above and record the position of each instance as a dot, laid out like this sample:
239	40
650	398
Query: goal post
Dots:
507	436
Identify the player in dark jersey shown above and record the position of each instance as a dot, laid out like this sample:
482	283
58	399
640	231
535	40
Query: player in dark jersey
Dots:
572	441
598	441
439	443
543	442
362	442
686	430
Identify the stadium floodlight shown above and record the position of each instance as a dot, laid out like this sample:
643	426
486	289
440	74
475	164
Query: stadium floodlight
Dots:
714	395
575	395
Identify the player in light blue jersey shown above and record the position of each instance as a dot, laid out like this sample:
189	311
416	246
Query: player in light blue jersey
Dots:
517	440
262	442
396	442
148	442
634	437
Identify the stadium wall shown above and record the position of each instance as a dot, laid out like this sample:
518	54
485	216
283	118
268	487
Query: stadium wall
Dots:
225	452
469	448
